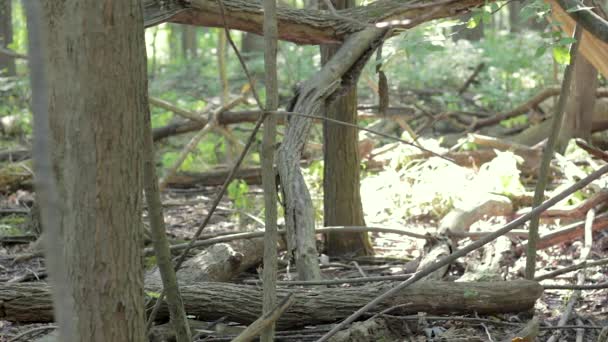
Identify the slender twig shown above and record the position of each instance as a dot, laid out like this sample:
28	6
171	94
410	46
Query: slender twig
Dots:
490	321
31	333
191	145
177	313
251	235
599	286
584	264
467	249
543	173
336	281
348	124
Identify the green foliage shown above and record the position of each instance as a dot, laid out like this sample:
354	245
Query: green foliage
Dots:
519	120
12	225
150	263
152	294
14	101
237	192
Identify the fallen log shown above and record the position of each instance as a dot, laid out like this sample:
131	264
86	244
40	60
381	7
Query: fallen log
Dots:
31	302
12	179
183	180
219	262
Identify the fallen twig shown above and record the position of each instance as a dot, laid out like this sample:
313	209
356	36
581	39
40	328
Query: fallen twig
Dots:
571	268
335	281
250	235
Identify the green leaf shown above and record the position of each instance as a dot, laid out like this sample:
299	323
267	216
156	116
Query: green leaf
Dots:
153	294
472	23
486	18
566	41
540	51
561	55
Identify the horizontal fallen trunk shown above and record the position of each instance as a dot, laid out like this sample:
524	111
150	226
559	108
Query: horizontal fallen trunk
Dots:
242	303
185	180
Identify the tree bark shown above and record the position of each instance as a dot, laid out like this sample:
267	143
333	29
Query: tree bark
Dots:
341	186
243	303
269	180
594	49
189	45
341	71
578	116
96	68
302	26
7	63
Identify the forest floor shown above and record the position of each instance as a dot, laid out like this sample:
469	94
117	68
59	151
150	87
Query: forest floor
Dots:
395	254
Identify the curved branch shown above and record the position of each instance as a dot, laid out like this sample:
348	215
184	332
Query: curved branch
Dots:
305	26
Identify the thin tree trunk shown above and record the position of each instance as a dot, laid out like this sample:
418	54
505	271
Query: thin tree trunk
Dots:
543	173
299	214
96	116
189	41
578	116
268	171
7	63
159	238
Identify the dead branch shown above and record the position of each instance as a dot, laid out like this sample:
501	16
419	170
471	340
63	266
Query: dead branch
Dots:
527	106
571	268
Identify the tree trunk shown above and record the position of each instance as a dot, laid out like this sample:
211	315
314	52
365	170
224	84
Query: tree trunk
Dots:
96	69
189	45
514	22
252	48
174	42
341	195
579	108
299	214
7	63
